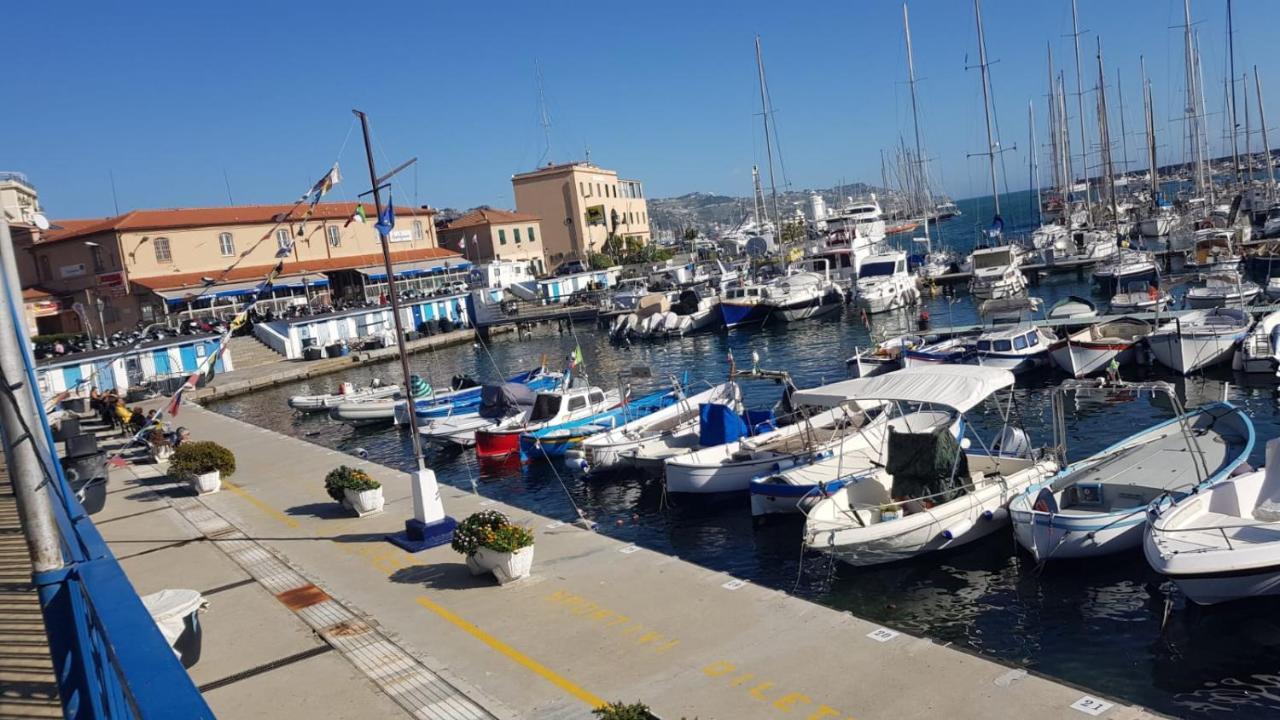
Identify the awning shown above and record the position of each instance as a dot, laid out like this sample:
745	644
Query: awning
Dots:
414	269
241	289
955	386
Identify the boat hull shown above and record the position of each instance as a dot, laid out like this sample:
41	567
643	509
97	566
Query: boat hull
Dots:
1079	359
1187	353
497	443
740	315
1008	361
1062	537
1158	226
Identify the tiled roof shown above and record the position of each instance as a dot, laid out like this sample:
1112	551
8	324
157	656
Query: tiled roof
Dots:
31	293
205	217
178	281
489	216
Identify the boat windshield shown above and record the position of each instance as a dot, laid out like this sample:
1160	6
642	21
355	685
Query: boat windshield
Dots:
990	260
876	269
545	407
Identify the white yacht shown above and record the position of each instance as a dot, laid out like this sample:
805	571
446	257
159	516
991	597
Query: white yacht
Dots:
1214	250
859	226
1123	268
995	273
1199	338
1141	296
1259	352
1081	246
629	293
1223	289
800	296
884	284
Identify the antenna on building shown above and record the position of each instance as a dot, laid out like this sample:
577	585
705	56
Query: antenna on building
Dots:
114	200
226	181
587	149
544	118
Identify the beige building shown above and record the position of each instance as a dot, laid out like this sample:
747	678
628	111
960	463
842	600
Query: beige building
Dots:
144	265
18	198
581	205
486	234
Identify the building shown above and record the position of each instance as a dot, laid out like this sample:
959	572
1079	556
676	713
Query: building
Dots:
148	266
485	235
581	206
171	359
18	198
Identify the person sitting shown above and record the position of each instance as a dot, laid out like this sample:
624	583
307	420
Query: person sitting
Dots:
180	436
1153	292
136	419
124	416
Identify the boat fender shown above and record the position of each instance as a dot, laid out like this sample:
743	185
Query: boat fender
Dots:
958	529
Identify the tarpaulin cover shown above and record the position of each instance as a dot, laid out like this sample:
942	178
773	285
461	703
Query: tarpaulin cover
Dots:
719	424
499	400
921	464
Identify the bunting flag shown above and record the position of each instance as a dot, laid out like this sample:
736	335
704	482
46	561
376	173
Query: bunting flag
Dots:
322	186
285	250
387	219
357	216
577	356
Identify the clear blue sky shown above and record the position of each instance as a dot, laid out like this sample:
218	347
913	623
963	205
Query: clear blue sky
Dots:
168	96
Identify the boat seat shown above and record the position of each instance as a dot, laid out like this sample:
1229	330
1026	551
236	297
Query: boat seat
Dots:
1267	511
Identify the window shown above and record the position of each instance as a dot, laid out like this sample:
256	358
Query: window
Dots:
45	272
1033	339
545	407
1020	342
502	237
96	252
226	244
162	250
532	237
516	232
582	190
417	229
597	396
599	191
1003	346
335	235
577	403
283	240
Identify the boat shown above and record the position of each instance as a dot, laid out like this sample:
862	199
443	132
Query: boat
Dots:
554	441
697	308
1126	267
800	296
933	492
1259	352
1199	338
1141	296
618	448
995	273
467	396
936	351
1160	222
885	356
1222	543
741	305
1092	349
1223	289
497	403
629	293
1213	251
946	210
858	226
1099	505
550	408
884	284
1017	348
1081	247
1072	308
1273	288
1271	226
347	393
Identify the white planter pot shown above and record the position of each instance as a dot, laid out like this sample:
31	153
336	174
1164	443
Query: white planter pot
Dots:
507	567
364	502
475	567
210	482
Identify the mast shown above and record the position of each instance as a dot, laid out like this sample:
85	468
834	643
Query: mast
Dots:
1053	131
1035	168
1262	120
1148	107
768	142
1084	139
757	197
986	102
926	195
1124	133
1104	138
1248	130
1060	96
1193	105
1204	130
1231	53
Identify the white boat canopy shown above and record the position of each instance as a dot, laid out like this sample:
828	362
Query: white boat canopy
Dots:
956	386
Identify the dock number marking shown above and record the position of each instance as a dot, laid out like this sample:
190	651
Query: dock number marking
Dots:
554	525
629	549
1090	705
734	584
882	634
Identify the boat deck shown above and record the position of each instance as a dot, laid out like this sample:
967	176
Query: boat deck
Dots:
600	620
1217	531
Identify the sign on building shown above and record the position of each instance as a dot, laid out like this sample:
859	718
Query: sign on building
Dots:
595	215
111	284
71	271
400	236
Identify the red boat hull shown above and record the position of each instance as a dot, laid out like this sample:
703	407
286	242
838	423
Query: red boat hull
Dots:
491	443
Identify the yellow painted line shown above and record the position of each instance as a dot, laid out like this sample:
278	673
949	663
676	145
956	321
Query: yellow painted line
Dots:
520	658
241	492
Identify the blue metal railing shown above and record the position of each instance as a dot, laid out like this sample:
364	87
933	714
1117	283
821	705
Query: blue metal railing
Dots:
109	658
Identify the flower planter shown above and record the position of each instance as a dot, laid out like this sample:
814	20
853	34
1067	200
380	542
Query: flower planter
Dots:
364	502
475	567
507	567
205	483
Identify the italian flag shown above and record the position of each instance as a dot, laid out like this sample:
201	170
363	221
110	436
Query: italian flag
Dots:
358	216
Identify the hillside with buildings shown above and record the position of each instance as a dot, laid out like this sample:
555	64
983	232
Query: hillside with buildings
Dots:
704	210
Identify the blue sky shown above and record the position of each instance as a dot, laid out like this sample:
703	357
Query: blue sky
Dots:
169	96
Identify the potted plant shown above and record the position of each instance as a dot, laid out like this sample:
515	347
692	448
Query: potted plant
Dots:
355	489
202	464
492	543
623	711
158	446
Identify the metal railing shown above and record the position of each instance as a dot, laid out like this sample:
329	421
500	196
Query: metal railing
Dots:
109	658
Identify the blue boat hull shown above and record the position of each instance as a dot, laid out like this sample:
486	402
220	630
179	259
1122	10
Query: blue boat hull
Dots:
735	315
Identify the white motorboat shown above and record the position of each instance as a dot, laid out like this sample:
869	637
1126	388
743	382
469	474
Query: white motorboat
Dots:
909	507
884	284
498	403
1141	296
1222	543
1159	223
858	226
1099	505
1072	308
1091	349
1259	352
1223	289
1081	247
1017	348
800	296
1271	226
1199	338
617	448
628	293
1273	288
995	273
697	310
1214	250
885	356
347	393
1125	268
550	407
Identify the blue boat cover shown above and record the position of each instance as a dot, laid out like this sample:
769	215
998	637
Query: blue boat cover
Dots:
719	424
761	421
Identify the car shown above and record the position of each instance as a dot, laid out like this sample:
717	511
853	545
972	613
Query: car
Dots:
572	267
453	288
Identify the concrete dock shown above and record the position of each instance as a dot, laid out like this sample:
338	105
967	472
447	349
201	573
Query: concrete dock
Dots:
312	609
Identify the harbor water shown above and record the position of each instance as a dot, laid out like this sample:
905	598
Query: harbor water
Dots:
1111	625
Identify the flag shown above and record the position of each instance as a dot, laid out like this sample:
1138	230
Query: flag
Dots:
322	186
576	357
462	244
387	219
285	250
357	216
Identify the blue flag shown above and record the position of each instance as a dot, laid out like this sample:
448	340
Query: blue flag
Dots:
387	219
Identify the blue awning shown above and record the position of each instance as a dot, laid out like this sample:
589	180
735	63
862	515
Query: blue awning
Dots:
241	289
415	269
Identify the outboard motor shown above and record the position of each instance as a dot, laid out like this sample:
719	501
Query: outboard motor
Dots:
1012	441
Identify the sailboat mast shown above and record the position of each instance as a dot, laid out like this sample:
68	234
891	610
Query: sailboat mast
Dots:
768	142
1248	130
1104	138
1231	53
1054	150
1035	168
1148	107
986	103
1262	120
1124	133
925	194
1193	105
1204	130
1084	139
1060	96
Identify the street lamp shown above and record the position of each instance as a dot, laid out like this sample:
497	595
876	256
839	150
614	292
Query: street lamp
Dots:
97	301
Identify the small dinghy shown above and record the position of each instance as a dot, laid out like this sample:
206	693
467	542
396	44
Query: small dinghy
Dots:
1141	296
1259	352
883	357
1090	350
1222	543
1199	339
1072	308
347	393
1098	505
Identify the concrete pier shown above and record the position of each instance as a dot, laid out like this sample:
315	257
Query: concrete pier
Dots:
288	571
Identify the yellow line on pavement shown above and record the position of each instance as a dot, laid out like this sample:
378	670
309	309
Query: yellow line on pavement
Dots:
529	663
241	492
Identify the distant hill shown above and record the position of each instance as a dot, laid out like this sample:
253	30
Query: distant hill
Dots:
703	210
